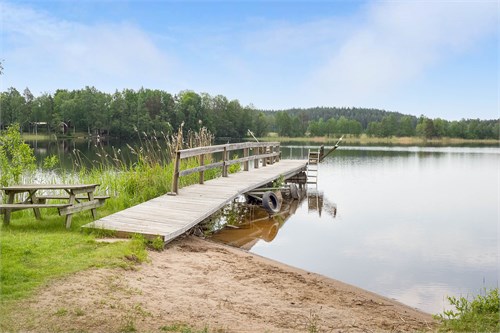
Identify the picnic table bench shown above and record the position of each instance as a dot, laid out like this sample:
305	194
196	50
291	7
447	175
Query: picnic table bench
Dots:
78	197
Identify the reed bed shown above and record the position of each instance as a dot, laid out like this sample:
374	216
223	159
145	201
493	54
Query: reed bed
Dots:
148	174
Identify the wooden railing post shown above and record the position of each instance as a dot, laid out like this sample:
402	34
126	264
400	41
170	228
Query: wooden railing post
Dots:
264	159
175	178
202	173
256	151
271	150
225	157
245	164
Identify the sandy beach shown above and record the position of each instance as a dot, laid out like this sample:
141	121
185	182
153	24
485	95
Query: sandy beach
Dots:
206	285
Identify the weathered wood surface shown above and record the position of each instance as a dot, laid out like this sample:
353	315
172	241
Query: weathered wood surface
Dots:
170	216
80	207
267	152
20	206
75	193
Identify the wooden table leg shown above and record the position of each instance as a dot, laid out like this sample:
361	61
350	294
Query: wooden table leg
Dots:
6	217
93	210
69	216
34	200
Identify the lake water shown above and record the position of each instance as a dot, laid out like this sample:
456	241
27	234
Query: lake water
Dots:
415	224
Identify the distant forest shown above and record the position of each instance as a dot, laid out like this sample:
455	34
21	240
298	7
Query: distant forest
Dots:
124	113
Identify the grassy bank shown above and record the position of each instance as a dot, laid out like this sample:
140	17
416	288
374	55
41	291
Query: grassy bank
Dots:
44	136
33	252
367	140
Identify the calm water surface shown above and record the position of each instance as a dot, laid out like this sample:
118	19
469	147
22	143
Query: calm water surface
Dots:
413	223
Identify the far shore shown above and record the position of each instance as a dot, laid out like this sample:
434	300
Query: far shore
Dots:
366	140
348	139
197	285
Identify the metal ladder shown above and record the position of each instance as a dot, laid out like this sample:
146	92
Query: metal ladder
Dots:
312	167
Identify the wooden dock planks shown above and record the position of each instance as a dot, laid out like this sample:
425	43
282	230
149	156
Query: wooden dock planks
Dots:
170	216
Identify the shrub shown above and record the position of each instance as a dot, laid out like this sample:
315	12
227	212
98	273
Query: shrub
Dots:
16	157
482	314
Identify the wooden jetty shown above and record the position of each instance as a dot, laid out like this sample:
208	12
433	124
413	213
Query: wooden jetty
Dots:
171	215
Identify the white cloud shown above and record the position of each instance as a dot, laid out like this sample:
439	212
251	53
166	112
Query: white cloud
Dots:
66	54
284	37
397	42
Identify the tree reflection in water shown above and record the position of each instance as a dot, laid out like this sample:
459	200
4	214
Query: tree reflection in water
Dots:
242	225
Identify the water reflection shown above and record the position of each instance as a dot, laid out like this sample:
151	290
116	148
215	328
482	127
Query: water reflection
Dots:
317	202
242	225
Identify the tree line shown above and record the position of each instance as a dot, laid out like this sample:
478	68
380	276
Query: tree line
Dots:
377	123
126	112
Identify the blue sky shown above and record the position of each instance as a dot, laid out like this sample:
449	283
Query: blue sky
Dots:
438	58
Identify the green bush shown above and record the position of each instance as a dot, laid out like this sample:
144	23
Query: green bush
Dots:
16	157
482	314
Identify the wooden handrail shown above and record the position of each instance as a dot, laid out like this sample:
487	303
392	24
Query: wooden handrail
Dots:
261	151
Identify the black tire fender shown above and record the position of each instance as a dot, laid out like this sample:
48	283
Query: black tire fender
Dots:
271	203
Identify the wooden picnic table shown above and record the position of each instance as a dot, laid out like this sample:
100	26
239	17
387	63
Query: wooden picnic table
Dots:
77	198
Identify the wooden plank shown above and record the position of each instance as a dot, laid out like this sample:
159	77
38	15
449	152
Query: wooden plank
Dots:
185	153
16	207
118	226
250	158
66	197
79	207
29	205
147	224
27	187
201	168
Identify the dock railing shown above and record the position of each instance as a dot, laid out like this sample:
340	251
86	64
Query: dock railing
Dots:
259	152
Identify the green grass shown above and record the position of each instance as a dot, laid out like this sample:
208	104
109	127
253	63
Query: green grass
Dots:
33	252
481	314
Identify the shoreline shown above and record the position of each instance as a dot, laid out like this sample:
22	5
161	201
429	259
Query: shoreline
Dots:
402	141
201	284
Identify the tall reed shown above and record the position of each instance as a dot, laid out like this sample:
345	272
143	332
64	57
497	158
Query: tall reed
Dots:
148	174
